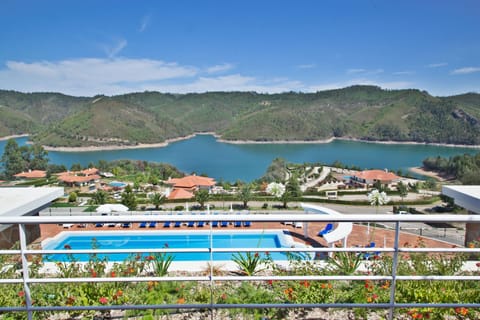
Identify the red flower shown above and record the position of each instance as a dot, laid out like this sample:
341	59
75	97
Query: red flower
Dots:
103	300
305	283
149	258
113	274
70	301
93	273
270	282
67	246
256	254
21	293
478	264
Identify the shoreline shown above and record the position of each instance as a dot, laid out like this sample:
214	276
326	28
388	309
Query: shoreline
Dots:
14	136
238	142
431	174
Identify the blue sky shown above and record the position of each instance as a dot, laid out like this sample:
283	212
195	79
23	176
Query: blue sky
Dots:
111	47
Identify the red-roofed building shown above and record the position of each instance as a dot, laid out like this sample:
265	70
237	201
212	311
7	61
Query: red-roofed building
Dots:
90	171
31	174
72	180
192	183
180	194
368	178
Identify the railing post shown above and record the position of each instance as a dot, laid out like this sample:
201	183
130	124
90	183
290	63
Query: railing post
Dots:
211	267
25	274
394	271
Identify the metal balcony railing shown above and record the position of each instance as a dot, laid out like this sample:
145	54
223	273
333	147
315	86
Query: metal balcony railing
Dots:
394	251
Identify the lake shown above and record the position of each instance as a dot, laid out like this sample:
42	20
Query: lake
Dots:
204	155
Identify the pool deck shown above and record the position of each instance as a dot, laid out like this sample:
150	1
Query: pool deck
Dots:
358	237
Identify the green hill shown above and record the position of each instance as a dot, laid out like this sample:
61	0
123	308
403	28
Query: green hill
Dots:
363	112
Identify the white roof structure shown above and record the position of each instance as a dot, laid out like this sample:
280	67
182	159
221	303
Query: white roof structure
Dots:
467	197
112	207
342	230
26	201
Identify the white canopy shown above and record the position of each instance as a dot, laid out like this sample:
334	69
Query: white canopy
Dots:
111	207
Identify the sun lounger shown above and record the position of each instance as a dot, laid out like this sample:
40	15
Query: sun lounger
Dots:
214	224
328	228
67	225
166	224
224	224
152	224
143	224
191	224
126	225
298	225
111	224
177	224
200	224
98	225
247	224
238	224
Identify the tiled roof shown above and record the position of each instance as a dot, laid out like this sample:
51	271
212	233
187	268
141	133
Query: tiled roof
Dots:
90	171
33	174
376	175
191	181
180	194
77	179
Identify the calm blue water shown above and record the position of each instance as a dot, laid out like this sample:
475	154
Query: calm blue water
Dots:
156	240
117	184
204	155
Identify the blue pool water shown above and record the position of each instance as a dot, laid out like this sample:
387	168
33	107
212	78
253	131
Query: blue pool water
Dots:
117	184
157	240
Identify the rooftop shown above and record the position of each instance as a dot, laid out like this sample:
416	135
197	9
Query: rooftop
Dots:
191	181
26	201
467	197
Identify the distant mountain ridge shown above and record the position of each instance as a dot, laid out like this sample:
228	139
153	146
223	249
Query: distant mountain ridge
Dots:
360	112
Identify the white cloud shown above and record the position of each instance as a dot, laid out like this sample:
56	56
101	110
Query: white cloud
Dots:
90	76
353	71
437	65
220	68
466	70
307	66
402	73
364	71
144	23
115	49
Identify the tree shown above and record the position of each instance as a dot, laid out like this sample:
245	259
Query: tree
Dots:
430	184
245	194
278	190
402	190
39	158
72	197
293	187
12	160
376	199
99	197
76	167
202	196
157	199
129	199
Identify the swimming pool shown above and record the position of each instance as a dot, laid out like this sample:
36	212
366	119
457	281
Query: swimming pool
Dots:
117	184
171	239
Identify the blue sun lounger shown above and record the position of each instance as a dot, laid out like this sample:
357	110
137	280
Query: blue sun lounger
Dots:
152	224
200	224
214	224
247	224
177	224
328	228
166	224
143	224
224	224
191	224
238	224
98	225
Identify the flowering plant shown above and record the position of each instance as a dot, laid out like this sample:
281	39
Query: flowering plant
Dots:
275	189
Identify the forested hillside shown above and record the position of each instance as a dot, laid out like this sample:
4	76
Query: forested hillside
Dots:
362	112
